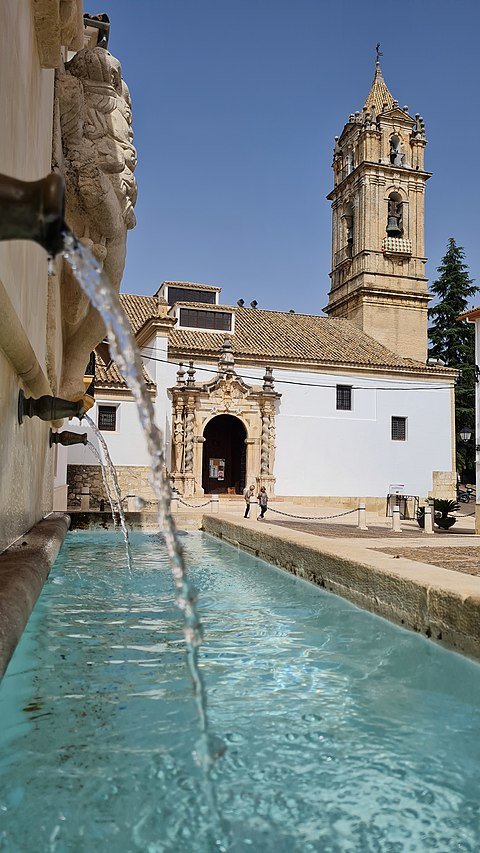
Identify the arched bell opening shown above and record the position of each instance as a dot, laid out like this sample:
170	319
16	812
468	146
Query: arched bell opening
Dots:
224	465
395	215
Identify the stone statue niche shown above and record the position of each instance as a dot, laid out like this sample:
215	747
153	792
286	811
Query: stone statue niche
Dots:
98	161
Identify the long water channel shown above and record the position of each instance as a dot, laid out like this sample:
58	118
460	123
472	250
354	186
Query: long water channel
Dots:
343	732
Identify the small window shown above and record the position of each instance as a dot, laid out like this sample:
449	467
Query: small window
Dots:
107	418
399	428
188	294
344	397
198	319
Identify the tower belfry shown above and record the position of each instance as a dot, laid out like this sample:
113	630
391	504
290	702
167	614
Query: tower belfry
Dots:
378	253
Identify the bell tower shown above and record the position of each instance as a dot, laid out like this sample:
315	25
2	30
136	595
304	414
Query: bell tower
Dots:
378	253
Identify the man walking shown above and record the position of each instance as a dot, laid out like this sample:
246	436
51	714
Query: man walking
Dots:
262	502
248	495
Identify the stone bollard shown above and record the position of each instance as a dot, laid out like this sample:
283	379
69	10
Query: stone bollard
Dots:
214	503
174	503
85	499
362	517
428	528
396	525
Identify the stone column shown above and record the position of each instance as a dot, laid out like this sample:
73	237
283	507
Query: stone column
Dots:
189	478
265	444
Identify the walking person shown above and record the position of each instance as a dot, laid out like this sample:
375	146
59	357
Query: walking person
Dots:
262	502
249	496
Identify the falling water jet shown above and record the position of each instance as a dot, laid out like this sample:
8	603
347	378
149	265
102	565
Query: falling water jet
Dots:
105	481
125	353
104	469
116	488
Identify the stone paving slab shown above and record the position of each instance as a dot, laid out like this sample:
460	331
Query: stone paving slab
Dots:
343	530
461	559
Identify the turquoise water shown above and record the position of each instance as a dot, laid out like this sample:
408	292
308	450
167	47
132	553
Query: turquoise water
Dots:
343	732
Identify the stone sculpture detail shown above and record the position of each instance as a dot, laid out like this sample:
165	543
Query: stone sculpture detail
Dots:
98	160
265	441
190	421
178	436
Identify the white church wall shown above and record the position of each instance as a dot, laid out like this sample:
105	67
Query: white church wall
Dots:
319	450
322	451
154	355
126	443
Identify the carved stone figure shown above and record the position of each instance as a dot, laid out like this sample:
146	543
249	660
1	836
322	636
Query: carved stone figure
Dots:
189	428
98	162
178	438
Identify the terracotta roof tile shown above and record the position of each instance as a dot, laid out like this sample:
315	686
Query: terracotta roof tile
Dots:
279	336
276	335
139	309
110	376
194	285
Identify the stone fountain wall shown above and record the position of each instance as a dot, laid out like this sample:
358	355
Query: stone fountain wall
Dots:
132	479
47	328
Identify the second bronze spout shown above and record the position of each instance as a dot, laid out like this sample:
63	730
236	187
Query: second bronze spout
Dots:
67	438
33	210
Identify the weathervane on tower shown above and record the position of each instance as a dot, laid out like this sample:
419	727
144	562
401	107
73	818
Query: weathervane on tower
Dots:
379	53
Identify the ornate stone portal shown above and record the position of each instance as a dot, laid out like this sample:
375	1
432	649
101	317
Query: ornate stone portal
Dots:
195	405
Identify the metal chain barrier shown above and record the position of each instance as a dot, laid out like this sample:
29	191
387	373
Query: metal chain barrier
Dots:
313	517
192	506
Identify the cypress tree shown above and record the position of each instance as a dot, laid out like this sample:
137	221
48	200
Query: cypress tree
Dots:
453	343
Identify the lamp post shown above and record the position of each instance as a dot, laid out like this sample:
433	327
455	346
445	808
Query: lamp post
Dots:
466	434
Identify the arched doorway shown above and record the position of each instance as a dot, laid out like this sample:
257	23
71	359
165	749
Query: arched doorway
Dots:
224	455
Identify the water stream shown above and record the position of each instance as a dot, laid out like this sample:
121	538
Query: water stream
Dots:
124	352
119	508
115	485
106	484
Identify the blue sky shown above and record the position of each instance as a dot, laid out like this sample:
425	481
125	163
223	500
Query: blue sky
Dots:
236	104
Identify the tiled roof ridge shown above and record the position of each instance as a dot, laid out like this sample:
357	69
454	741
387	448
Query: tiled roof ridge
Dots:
193	284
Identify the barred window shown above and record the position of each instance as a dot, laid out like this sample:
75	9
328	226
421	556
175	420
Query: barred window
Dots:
188	294
344	397
107	418
399	428
198	319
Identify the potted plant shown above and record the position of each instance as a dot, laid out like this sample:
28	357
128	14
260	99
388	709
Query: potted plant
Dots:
442	510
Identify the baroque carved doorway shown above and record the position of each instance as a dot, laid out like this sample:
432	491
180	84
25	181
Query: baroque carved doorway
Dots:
224	455
246	442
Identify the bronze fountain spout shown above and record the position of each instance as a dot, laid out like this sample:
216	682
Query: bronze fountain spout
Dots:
67	438
33	210
48	408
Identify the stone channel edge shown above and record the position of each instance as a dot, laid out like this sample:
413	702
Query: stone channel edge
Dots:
24	568
441	604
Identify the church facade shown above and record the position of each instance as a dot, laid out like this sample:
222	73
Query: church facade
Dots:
334	407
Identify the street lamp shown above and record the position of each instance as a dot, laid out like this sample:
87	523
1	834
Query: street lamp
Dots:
466	434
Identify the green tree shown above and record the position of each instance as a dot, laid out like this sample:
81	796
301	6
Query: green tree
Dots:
453	343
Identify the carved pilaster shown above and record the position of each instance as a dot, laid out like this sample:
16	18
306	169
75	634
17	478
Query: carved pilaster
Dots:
178	437
264	444
189	435
271	446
